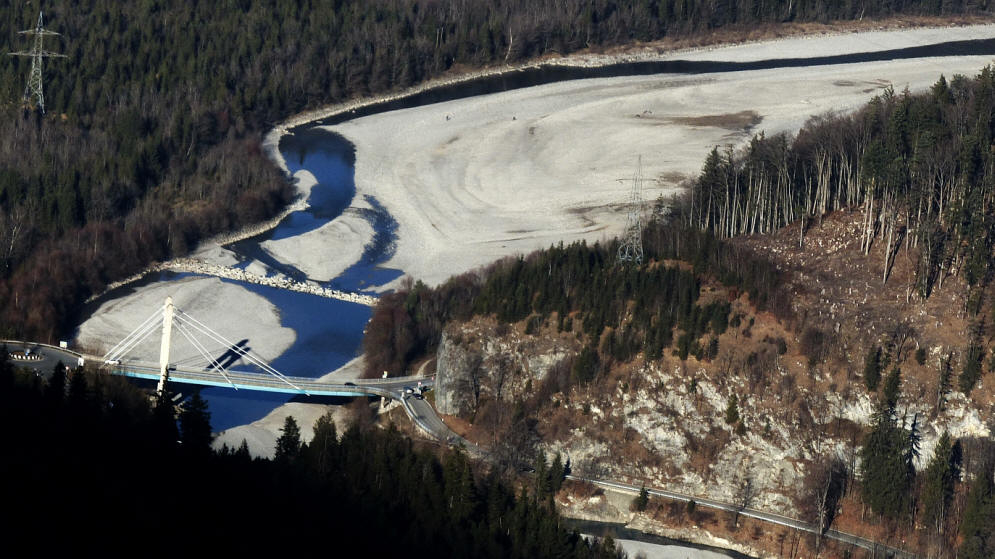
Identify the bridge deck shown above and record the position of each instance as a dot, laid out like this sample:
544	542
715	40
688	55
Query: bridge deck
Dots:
245	380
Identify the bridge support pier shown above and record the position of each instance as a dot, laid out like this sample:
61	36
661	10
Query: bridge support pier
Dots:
383	399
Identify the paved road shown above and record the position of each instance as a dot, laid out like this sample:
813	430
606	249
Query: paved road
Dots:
753	513
425	417
47	356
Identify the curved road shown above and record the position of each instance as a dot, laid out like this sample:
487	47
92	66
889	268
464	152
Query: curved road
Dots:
48	356
758	514
425	417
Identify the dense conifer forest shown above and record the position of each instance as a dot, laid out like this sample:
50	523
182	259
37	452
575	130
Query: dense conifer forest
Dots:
88	462
151	140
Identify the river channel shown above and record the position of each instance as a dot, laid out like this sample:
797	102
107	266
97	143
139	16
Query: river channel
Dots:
329	332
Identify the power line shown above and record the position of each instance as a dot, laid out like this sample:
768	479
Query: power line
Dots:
35	87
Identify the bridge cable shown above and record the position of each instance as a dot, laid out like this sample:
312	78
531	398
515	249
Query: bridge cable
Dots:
125	341
134	332
200	347
204	329
148	330
203	351
138	338
252	358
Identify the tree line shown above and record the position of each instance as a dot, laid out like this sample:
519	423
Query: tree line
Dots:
917	168
88	457
619	310
152	137
951	500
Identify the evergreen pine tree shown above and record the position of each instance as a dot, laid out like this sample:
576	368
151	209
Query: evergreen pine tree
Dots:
243	452
164	419
78	390
542	482
641	500
195	426
6	370
972	368
288	445
460	497
732	410
872	368
938	483
557	473
323	448
7	393
886	477
55	390
892	388
979	517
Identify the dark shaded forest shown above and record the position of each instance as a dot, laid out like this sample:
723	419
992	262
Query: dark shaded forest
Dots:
152	136
87	456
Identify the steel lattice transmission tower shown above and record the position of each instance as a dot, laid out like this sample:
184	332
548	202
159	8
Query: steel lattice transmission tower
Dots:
631	249
35	88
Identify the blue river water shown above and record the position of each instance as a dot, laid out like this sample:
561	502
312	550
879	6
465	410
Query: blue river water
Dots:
329	332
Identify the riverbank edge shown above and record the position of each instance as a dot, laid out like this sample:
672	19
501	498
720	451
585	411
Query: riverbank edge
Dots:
592	58
623	54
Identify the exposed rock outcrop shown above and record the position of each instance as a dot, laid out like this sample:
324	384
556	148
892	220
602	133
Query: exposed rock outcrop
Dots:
484	360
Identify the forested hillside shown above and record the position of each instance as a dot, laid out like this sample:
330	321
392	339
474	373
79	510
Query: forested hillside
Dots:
919	168
151	140
651	345
619	311
86	457
914	173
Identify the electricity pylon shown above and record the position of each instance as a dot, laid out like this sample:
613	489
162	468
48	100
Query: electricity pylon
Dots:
631	249
35	88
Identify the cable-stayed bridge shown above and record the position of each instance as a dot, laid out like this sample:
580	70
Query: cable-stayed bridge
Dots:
249	380
217	361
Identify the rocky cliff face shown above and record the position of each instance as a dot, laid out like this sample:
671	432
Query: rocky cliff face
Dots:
483	361
666	423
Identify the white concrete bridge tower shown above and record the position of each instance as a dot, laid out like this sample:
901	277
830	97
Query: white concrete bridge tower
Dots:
167	331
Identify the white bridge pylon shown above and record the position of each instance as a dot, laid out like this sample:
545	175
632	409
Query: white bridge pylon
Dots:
199	335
